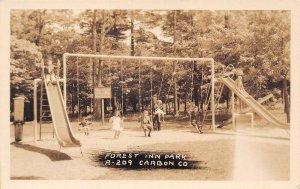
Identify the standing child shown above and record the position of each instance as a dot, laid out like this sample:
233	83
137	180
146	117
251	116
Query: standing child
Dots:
146	123
158	114
239	86
117	122
50	75
85	124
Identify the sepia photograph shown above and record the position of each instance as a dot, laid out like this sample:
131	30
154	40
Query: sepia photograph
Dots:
150	94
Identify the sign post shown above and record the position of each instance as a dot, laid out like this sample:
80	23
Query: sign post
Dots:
102	93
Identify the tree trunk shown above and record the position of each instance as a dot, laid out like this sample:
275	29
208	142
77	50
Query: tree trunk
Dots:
286	100
196	85
227	98
96	111
185	105
142	103
40	26
226	20
72	101
99	105
132	52
174	66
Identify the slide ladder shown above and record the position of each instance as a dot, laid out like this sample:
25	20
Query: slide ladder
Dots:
45	113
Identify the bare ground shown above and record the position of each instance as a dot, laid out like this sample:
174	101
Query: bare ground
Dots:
260	153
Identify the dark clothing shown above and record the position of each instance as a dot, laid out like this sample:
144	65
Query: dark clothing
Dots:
195	116
156	122
196	120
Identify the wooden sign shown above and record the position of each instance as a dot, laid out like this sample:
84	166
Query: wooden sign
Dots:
102	92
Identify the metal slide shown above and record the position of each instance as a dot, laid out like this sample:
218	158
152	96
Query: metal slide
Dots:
60	117
252	103
260	101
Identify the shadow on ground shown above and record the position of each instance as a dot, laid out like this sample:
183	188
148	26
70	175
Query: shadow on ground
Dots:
26	178
53	155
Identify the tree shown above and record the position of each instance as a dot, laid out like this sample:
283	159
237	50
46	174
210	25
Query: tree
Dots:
255	41
24	68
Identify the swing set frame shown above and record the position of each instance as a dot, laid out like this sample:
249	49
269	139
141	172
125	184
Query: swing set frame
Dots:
201	61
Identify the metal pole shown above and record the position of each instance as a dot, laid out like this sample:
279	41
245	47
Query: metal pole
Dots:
176	104
110	82
65	77
78	99
206	60
213	95
140	104
232	110
91	87
35	109
41	108
122	88
151	91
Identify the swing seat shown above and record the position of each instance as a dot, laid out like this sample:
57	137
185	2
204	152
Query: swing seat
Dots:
80	127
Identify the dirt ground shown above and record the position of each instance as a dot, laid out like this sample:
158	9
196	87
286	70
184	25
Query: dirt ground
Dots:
259	153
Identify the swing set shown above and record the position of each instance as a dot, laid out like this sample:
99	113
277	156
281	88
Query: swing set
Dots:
209	104
103	90
139	61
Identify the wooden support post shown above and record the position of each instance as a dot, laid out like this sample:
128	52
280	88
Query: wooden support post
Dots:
102	111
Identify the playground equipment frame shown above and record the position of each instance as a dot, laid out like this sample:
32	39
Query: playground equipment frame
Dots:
204	61
64	77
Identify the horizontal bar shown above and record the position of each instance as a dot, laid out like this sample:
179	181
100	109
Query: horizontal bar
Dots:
135	57
39	80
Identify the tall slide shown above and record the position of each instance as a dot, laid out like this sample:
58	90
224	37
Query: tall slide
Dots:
252	103
61	123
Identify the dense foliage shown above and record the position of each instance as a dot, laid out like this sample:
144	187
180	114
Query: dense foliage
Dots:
256	42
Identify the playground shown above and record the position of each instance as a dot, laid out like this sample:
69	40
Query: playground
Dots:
215	149
263	150
107	116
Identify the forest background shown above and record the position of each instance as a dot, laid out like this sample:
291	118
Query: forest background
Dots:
255	42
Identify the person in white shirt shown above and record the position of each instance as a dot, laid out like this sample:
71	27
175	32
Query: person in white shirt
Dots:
117	124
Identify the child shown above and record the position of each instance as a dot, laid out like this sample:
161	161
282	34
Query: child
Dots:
50	72
85	124
146	123
195	119
117	122
239	83
240	87
158	113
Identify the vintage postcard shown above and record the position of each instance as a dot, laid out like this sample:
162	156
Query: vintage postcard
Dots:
150	94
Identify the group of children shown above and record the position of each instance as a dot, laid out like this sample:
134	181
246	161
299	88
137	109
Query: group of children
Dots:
158	114
145	122
117	123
